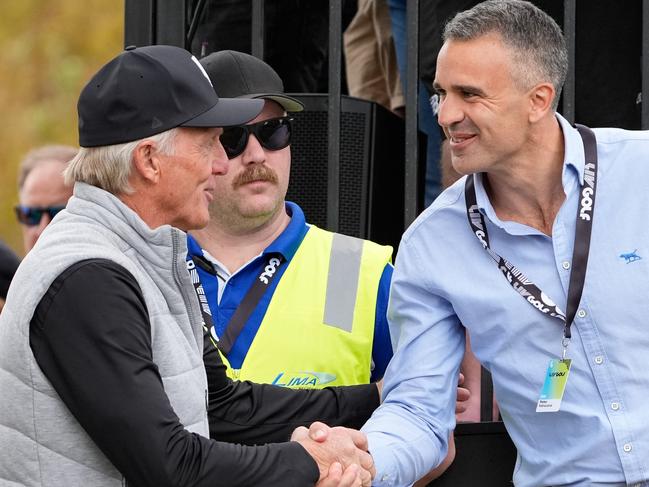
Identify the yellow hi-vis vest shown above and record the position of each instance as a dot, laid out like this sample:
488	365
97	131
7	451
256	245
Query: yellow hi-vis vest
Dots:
319	327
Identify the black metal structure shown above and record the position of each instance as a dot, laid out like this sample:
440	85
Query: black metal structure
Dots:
333	118
569	21
139	26
645	64
412	94
258	31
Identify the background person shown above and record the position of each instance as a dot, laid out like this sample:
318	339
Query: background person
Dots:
528	198
370	58
42	191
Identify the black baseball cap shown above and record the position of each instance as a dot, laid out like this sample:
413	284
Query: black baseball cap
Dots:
147	90
238	75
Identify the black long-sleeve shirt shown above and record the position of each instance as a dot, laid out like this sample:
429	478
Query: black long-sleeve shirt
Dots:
91	336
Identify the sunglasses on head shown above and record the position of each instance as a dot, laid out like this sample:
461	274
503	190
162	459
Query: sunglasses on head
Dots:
32	215
273	134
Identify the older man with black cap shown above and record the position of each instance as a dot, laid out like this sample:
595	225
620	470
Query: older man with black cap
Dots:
101	343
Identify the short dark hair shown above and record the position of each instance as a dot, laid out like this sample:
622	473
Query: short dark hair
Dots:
535	38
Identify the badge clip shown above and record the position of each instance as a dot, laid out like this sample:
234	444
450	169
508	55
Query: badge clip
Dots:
564	343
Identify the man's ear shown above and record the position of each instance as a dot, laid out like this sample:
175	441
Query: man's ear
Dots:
541	98
146	161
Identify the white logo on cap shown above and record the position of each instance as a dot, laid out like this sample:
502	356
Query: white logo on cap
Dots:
200	66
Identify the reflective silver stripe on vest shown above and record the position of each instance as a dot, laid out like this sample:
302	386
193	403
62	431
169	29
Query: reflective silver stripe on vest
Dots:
342	283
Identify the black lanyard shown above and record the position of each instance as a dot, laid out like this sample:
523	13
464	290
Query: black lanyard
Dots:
585	213
245	308
206	313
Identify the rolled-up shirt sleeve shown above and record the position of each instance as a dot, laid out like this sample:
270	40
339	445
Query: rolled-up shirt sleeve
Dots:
91	337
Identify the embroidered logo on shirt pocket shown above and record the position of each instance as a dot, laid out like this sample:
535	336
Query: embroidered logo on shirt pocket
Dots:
630	256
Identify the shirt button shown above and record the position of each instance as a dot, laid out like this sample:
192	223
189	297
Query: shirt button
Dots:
615	406
599	360
581	313
627	447
565	264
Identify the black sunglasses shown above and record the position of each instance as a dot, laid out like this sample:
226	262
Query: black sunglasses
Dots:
273	134
32	216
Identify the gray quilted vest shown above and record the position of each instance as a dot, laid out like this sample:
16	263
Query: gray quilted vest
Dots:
41	443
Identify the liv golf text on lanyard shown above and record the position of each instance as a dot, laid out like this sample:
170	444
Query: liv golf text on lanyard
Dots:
245	308
558	369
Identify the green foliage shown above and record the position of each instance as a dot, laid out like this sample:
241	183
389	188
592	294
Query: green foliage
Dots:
50	48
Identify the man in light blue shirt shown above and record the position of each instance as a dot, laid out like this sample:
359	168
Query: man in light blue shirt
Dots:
496	260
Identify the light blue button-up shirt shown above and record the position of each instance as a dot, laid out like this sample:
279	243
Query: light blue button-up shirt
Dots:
445	281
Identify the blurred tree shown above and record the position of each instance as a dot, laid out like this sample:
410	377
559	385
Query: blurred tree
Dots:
49	50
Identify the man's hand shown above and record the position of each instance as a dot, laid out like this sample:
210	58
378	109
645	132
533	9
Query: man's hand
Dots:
463	395
344	446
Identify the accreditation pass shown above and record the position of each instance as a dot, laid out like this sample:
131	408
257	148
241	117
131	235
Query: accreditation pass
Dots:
553	386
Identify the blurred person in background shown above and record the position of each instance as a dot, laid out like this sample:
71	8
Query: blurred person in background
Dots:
42	192
371	59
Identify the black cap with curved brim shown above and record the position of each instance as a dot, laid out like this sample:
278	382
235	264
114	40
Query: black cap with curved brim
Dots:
238	75
147	90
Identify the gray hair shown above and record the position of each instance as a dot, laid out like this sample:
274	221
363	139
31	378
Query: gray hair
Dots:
109	167
536	40
40	155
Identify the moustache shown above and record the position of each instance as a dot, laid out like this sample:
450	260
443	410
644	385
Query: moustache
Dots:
256	172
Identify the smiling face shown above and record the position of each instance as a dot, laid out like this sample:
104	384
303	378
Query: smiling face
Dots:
483	110
253	191
186	185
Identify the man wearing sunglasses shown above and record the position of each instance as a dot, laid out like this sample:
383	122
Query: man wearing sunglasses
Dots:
102	374
42	192
292	304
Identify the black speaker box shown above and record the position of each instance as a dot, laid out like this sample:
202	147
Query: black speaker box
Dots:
372	168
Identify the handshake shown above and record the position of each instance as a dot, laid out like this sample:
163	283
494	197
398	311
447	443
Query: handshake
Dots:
341	455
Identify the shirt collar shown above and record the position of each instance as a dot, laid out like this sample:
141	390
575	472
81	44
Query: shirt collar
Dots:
572	176
193	248
290	239
574	159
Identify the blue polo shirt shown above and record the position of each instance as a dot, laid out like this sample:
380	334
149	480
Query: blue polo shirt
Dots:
235	287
